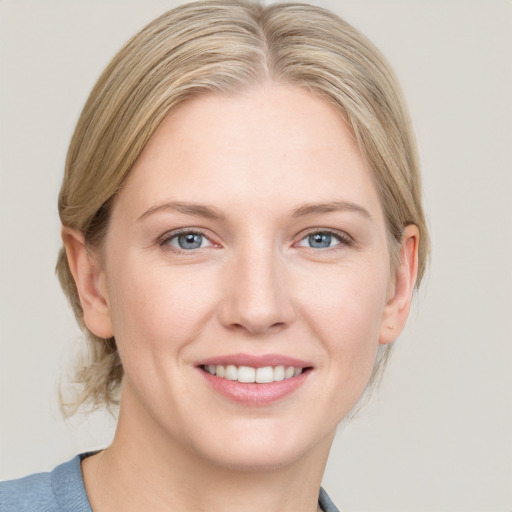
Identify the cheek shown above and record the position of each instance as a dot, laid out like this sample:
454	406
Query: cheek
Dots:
157	310
345	314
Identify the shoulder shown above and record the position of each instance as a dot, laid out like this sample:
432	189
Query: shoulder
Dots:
27	494
32	493
60	490
326	503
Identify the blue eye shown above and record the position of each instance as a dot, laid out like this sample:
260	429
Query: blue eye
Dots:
188	241
321	240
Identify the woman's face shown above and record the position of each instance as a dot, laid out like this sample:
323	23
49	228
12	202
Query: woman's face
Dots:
249	242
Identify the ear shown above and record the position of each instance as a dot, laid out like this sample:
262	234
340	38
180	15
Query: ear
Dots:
90	282
401	288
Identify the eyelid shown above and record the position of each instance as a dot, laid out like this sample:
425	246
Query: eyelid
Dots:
164	239
344	238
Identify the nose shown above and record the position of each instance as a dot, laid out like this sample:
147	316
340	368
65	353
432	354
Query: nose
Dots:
256	295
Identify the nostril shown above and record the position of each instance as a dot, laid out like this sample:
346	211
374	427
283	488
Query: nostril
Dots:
258	328
255	300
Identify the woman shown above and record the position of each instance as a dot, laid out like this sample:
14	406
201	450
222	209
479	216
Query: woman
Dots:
242	231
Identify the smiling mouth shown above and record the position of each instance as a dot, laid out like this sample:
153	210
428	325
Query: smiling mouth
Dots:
249	374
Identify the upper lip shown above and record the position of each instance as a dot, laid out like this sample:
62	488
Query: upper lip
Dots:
255	361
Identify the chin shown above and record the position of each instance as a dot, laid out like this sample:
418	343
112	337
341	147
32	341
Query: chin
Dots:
264	450
255	459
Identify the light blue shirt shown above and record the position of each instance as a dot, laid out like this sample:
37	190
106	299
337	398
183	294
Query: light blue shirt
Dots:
62	490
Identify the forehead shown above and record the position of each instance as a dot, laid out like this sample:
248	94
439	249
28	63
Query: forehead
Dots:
273	143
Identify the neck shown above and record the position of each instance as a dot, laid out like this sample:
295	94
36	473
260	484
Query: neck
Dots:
145	469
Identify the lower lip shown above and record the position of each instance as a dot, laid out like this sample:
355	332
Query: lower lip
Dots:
253	393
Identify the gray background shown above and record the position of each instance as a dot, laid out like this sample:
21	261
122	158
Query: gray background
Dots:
438	435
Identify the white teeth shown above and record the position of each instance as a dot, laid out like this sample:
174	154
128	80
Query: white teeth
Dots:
279	373
289	372
248	374
231	372
265	375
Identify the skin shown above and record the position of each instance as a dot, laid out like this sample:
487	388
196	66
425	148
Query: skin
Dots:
256	286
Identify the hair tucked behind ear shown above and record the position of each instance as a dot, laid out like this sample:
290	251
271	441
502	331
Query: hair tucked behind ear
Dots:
99	371
227	46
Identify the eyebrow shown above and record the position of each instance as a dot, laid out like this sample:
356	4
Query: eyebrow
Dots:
332	206
197	210
211	212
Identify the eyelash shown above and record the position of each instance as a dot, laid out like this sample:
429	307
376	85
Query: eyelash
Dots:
164	240
344	239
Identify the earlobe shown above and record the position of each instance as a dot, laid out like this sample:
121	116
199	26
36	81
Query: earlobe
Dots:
90	283
400	299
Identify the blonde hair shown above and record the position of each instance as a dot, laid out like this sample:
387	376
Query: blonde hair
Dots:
225	46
